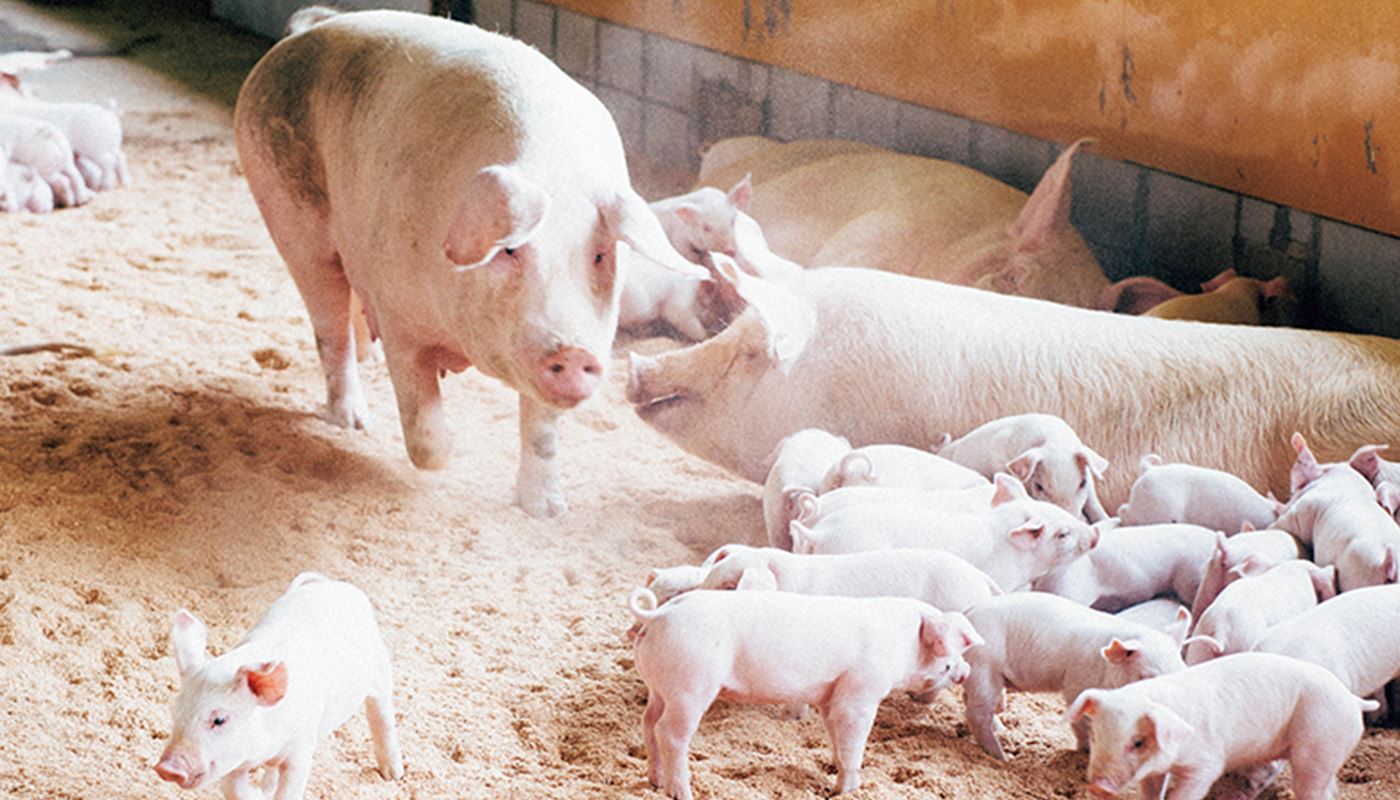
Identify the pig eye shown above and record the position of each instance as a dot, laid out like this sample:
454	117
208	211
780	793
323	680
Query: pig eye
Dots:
1138	744
597	258
1084	481
510	251
1062	535
1038	487
218	721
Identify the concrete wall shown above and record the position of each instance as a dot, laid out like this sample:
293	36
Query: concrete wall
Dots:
269	17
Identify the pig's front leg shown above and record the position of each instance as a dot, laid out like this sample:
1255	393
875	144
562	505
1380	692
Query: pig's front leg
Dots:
537	485
414	371
848	722
293	776
982	695
380	711
1191	783
239	786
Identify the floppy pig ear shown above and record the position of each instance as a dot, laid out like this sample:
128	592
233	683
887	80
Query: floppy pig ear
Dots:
267	681
1095	462
1388	495
1086	705
948	634
501	209
1219	280
787	319
1165	730
741	193
757	579
189	639
1024	465
1007	489
631	220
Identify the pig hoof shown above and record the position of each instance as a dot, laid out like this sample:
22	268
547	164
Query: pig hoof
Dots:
543	504
429	453
345	415
394	773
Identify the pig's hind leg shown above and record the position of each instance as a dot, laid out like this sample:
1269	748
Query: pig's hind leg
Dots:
848	721
655	705
379	708
674	729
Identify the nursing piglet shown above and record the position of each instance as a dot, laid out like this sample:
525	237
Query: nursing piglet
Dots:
1041	450
800	461
1231	714
940	579
312	661
1250	552
1197	496
761	647
1134	564
44	148
20	187
1245	610
1037	642
1334	508
812	507
1015	542
94	132
1355	636
899	466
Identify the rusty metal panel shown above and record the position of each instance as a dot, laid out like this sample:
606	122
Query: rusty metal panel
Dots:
1294	101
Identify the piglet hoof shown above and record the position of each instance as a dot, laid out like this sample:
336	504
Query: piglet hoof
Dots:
541	504
394	772
348	415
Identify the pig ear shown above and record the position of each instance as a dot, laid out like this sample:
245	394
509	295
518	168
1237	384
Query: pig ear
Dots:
741	193
1367	460
1180	626
1024	465
948	634
801	536
267	681
717	556
687	214
1391	564
189	639
1325	579
1046	214
757	579
1026	536
1305	468
1148	462
1086	705
1165	730
1276	289
1219	280
787	320
1388	495
1095	462
1008	489
1120	652
502	209
855	469
631	220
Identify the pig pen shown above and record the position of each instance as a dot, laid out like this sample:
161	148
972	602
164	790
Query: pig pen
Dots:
180	465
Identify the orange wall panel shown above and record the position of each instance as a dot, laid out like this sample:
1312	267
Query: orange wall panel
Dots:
1294	101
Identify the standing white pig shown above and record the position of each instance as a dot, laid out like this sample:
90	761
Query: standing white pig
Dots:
1355	636
44	148
1244	611
1196	495
1249	552
940	579
697	223
492	241
312	661
761	647
1230	714
902	467
1041	450
799	461
1334	508
1134	564
1017	541
1037	642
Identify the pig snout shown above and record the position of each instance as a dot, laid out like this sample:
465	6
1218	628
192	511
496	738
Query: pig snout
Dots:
1103	787
568	376
180	768
642	389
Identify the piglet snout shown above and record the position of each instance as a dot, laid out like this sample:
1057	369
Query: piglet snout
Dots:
180	769
1103	787
569	375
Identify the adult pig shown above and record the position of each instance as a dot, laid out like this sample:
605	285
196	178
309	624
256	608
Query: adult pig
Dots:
889	358
824	203
471	193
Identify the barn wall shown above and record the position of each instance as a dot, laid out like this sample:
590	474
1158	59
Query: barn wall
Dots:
269	17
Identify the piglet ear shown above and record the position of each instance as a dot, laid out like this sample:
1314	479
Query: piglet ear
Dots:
1008	489
1180	626
1325	579
717	556
1026	536
1023	466
501	209
741	193
1164	730
1219	280
757	579
267	681
1119	652
1388	495
1391	564
189	639
948	634
1085	706
1367	460
1095	462
1305	468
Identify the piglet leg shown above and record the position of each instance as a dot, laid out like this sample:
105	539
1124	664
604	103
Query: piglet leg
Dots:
380	711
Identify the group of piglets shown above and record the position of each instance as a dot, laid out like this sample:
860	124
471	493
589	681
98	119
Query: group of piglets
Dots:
53	154
1228	298
1190	635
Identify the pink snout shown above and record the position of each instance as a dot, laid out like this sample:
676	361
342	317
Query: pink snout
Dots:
569	376
179	768
1103	787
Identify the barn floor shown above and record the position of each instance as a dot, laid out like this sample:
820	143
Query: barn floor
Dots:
182	466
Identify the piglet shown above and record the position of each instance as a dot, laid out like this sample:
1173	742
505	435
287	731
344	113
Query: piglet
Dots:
1229	299
300	673
1043	452
1334	508
1135	295
899	466
94	132
940	579
697	223
1015	542
1235	556
1245	610
1234	713
811	507
44	148
800	461
20	187
1197	496
1355	636
1037	642
668	582
1134	564
1367	461
761	647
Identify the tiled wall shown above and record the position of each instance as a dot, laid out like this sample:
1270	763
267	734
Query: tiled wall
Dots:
671	98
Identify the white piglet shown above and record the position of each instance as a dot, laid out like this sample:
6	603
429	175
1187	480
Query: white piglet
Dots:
1195	495
899	466
313	660
1134	564
810	507
1355	636
94	132
800	461
44	148
1235	556
1037	642
1245	610
1236	713
762	647
1041	450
